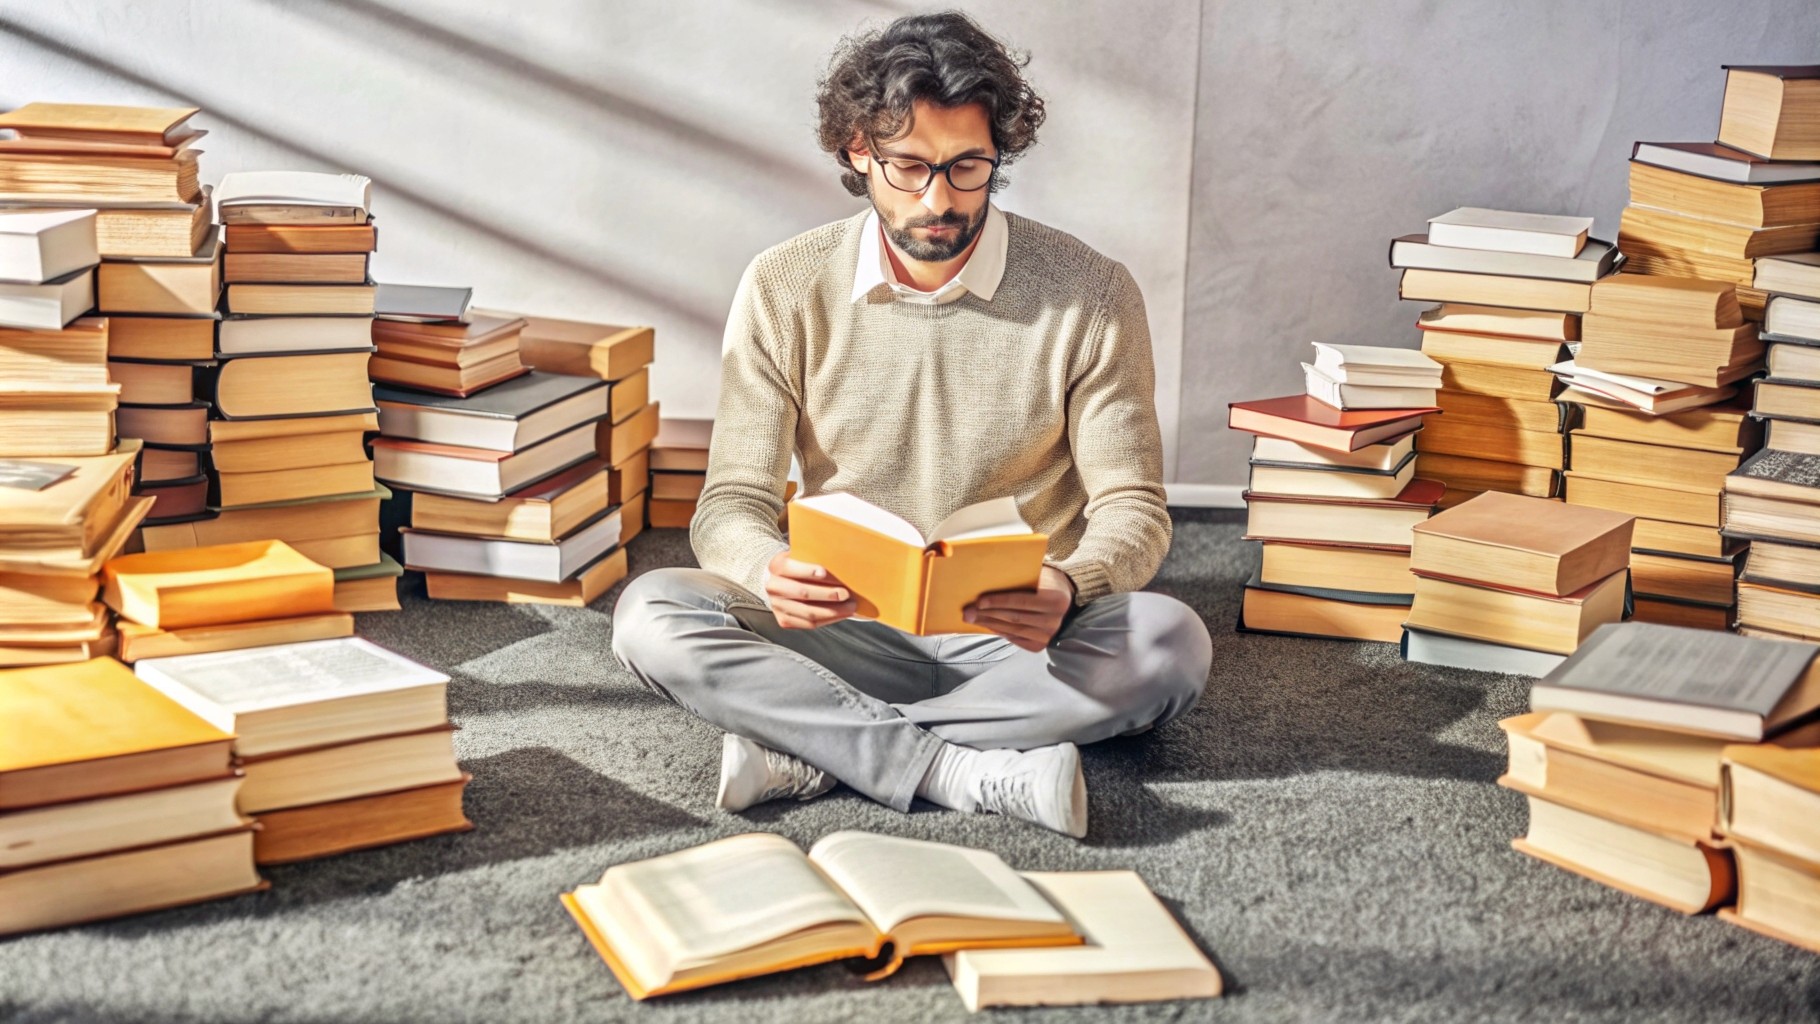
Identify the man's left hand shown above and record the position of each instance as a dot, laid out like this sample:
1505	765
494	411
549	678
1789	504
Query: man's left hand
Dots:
1027	618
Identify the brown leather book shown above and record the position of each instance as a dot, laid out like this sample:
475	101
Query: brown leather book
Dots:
1308	421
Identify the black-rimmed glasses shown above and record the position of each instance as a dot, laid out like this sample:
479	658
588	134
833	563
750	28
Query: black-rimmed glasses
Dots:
965	173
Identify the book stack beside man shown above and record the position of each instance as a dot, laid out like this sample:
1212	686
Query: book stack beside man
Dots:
343	745
1332	498
428	340
1773	503
1716	210
219	598
1769	813
291	400
1671	349
114	799
1512	287
679	468
622	357
1510	583
509	500
1621	757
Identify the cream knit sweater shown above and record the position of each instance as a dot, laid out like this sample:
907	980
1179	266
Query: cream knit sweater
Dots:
1045	393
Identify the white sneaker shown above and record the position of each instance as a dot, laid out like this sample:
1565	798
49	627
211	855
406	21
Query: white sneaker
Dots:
751	774
1044	786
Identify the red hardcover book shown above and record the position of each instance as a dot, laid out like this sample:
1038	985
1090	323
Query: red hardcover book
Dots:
1307	420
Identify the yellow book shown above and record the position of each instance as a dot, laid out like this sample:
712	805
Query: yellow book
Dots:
901	578
754	904
213	586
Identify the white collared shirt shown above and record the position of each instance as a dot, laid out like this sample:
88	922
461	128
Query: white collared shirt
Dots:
984	268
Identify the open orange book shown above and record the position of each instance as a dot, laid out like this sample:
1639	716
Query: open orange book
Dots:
915	583
754	904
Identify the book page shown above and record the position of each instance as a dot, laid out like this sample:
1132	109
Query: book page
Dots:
733	894
995	517
264	677
893	880
842	505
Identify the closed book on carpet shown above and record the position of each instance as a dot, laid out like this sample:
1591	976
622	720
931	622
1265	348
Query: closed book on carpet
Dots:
1527	543
1680	873
1132	951
1305	420
1778	895
90	729
1543	622
915	583
603	351
138	642
303	695
216	585
755	904
313	384
1772	795
579	590
83	828
129	882
364	767
1772	111
550	562
510	417
1472	227
1341	520
477	472
542	511
360	823
1688	680
1420	251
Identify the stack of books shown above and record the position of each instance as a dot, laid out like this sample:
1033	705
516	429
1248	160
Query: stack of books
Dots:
342	744
1511	288
1655	375
1511	583
1769	815
509	500
57	396
1772	502
1332	500
290	397
220	598
61	519
1715	210
1788	400
622	357
1621	762
428	340
114	799
679	469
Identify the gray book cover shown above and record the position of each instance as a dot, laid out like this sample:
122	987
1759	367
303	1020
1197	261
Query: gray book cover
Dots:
1685	666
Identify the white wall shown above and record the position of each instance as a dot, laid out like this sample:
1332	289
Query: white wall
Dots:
621	160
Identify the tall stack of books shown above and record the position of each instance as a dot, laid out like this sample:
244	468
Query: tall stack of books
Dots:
343	745
220	598
290	395
622	357
1668	350
1332	499
1512	287
1714	210
1773	503
1511	583
1770	817
1620	761
679	469
114	799
509	501
61	519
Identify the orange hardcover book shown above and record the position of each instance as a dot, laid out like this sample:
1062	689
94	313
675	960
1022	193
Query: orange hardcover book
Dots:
901	578
213	586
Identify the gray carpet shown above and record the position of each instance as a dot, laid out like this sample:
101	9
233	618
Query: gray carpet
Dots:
1324	823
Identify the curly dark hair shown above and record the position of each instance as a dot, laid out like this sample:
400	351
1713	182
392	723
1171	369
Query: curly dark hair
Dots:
875	78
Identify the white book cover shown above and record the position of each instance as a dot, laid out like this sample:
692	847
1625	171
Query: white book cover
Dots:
1376	364
283	675
49	306
1367	396
1647	385
294	188
38	245
1473	227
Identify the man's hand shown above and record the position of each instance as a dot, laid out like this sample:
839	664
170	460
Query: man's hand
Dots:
805	596
1027	618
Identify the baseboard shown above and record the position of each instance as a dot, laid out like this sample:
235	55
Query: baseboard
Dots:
1204	495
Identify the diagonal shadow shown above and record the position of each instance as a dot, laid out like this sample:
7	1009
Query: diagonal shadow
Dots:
392	184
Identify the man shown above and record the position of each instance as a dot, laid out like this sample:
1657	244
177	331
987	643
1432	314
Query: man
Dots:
929	353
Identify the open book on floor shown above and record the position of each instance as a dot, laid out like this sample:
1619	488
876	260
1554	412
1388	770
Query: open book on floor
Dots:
754	904
919	585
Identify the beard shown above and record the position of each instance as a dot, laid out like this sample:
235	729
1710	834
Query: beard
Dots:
931	250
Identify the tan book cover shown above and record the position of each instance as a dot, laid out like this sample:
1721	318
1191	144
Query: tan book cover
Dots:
618	442
213	586
98	122
137	641
582	349
360	823
1528	543
915	583
1682	301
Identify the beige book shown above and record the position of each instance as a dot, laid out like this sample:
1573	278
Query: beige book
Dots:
583	349
358	768
1525	543
160	337
1654	259
1534	621
1466	477
180	287
1697	506
1778	896
1772	796
1687	579
1658	465
618	442
1665	612
94	888
1370	570
138	642
1682	301
1493	290
629	395
754	904
1494	443
1681	539
1713	428
83	828
580	591
1133	951
1735	240
1496	411
1772	112
1511	323
1679	873
1496	349
1282	611
68	422
1529	384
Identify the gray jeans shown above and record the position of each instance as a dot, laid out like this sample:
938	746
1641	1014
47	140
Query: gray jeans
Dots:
869	704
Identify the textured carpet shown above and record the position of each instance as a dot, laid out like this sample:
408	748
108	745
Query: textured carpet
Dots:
1324	823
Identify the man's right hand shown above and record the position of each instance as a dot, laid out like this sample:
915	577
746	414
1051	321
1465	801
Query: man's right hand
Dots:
805	596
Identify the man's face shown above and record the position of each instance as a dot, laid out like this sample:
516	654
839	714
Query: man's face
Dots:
939	223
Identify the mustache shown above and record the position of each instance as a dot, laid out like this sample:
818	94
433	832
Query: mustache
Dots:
950	219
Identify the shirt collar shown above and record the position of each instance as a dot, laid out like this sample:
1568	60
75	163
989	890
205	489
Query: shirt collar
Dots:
981	274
